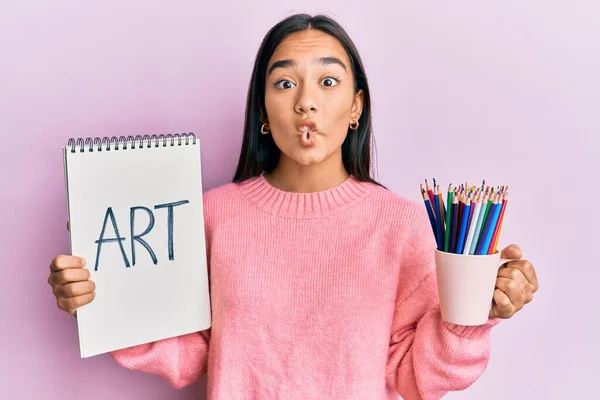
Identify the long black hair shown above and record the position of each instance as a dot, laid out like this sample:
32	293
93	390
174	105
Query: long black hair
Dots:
259	152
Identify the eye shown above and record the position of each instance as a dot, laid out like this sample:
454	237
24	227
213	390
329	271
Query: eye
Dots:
330	81
284	84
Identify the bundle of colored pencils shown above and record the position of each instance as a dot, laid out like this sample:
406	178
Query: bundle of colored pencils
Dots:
472	222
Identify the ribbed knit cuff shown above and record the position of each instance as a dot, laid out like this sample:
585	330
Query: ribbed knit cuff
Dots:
473	332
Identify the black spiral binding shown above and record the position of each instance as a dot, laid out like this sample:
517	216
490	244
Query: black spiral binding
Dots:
106	143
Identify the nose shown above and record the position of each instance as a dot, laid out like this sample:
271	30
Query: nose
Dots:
306	101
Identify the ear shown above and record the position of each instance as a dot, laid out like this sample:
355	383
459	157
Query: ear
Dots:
357	105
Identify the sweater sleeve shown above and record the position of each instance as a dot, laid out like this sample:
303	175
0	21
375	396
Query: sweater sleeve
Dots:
428	357
180	360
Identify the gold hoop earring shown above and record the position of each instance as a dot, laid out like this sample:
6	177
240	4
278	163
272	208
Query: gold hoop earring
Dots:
354	125
264	130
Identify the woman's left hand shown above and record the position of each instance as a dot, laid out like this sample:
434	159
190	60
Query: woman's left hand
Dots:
515	285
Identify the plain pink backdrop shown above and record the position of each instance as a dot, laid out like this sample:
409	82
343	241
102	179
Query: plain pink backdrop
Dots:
507	91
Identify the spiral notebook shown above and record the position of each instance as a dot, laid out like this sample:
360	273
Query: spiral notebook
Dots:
136	215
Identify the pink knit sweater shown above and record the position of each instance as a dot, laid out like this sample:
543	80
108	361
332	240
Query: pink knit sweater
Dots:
326	295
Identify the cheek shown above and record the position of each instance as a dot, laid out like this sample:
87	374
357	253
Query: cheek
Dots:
338	118
270	105
278	111
339	105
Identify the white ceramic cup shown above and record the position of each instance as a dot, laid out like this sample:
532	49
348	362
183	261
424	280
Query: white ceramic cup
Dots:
466	285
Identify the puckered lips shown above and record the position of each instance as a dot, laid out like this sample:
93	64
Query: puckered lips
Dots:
307	132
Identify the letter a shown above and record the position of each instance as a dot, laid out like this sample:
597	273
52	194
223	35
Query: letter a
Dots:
118	239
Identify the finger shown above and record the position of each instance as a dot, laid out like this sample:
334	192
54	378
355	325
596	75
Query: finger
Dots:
512	252
527	270
71	304
512	289
63	261
503	308
69	275
513	273
516	275
74	289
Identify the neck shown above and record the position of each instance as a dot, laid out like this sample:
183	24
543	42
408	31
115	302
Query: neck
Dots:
290	176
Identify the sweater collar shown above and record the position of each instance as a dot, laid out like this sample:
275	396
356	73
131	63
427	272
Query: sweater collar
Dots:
304	205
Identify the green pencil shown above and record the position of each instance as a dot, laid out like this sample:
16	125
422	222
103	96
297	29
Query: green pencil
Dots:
487	210
448	217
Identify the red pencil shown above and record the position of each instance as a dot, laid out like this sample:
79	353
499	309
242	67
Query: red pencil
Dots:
429	192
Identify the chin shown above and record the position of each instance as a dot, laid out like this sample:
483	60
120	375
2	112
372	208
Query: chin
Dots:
307	157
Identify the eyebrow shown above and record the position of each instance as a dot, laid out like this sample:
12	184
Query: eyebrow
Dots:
290	63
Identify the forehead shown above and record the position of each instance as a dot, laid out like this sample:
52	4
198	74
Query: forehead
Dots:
309	45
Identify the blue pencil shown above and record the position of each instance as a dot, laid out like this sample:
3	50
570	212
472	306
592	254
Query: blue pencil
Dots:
486	228
463	227
429	211
474	240
490	234
454	223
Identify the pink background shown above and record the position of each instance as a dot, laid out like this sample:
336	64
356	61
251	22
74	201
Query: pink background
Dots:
463	91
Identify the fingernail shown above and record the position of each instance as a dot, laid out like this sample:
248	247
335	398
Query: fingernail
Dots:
83	262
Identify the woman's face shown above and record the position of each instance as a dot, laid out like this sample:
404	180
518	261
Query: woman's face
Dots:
309	97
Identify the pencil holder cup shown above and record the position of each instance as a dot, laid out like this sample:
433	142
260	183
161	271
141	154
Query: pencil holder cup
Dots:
466	285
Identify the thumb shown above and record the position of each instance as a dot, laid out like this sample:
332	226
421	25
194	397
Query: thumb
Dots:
512	252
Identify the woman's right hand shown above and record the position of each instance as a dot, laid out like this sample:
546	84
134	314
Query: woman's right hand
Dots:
70	283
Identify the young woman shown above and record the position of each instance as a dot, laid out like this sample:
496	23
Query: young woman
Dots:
322	281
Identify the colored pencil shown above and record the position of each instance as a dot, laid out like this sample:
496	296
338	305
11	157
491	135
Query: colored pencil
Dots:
473	224
442	207
462	202
494	229
429	210
461	207
479	224
463	227
429	191
442	216
494	221
471	211
448	218
493	248
454	223
486	211
488	224
438	219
